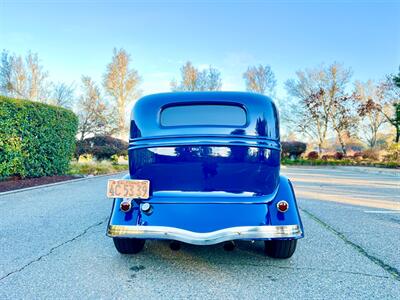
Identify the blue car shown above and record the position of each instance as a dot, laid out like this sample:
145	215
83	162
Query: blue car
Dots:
204	168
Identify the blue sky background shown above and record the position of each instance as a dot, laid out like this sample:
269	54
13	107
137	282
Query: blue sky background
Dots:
77	37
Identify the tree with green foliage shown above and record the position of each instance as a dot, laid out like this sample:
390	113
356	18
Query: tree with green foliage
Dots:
396	79
395	120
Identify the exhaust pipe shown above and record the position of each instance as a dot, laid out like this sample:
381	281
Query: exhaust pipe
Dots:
175	245
229	246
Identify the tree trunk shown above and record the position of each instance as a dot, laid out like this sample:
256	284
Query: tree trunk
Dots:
397	120
342	143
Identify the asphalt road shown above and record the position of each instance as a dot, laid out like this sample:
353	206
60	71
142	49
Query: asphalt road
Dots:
53	245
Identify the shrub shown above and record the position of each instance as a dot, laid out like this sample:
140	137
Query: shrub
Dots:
370	154
326	157
357	155
338	155
312	155
95	168
343	162
114	159
293	149
85	158
393	153
102	147
35	139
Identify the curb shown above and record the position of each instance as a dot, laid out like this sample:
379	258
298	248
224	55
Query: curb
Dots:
57	183
359	169
371	170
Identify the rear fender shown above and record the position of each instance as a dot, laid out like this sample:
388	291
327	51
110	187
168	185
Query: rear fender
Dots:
290	217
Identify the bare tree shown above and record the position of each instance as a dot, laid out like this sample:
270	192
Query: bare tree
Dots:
14	76
369	97
344	120
209	80
63	95
321	102
92	110
342	114
24	79
308	116
194	80
121	84
19	78
6	69
189	79
260	79
38	86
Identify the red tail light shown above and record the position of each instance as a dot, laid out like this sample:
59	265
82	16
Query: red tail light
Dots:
125	205
282	206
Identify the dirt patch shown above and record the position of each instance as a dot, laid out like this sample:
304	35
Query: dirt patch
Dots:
16	183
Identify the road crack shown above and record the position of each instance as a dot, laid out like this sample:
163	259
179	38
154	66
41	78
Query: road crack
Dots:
391	270
55	248
314	269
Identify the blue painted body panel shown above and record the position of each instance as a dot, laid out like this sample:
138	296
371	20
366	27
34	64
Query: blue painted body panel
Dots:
205	168
211	213
206	178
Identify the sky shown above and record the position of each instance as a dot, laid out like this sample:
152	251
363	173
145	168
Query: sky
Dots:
75	38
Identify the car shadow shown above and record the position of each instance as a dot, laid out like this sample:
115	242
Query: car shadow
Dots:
244	250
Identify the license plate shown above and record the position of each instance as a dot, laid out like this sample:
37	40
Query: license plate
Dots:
121	188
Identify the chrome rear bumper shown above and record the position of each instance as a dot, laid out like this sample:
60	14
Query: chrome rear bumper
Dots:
206	238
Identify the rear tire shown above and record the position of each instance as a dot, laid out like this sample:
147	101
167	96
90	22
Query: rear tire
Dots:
280	248
128	246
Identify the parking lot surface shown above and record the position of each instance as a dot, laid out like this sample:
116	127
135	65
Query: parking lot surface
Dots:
53	245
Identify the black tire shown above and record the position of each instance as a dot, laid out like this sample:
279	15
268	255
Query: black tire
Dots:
280	248
128	246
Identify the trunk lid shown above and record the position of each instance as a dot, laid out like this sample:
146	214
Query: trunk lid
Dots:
207	170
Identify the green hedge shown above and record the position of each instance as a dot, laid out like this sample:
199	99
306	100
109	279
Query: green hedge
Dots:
342	162
35	139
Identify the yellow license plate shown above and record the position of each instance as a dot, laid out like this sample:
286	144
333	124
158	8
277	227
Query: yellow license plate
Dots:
121	188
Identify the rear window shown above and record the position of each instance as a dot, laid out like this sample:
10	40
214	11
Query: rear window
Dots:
204	114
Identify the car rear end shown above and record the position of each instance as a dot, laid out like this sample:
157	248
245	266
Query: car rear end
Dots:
212	161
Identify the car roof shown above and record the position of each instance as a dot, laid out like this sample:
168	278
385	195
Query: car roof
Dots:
212	96
262	116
